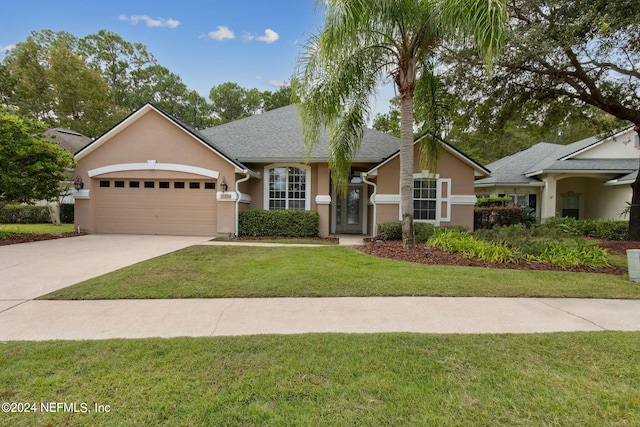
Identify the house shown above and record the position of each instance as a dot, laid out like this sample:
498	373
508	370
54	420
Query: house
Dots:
152	174
589	179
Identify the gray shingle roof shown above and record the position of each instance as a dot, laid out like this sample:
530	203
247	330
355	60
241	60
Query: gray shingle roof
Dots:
68	139
276	135
520	168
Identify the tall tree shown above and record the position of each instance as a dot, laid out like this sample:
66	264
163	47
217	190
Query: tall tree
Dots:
580	52
116	59
363	42
276	99
32	167
231	102
81	98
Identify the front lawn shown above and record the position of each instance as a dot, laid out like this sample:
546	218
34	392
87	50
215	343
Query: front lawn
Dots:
233	271
14	229
577	379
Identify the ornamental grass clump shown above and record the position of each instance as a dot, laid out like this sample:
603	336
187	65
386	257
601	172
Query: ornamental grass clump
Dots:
567	253
510	244
456	241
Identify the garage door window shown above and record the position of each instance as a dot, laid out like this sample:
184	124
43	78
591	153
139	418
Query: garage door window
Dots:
119	184
164	184
134	184
194	185
209	185
105	184
149	184
178	184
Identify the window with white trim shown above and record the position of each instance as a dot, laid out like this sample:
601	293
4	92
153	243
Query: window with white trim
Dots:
287	188
425	197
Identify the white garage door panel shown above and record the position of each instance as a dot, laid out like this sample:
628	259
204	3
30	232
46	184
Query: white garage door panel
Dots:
183	211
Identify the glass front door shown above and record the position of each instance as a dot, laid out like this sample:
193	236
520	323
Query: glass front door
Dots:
349	210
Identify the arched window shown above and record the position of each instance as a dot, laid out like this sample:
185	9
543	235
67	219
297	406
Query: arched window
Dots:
287	187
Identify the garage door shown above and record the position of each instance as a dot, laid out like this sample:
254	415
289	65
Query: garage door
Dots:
155	207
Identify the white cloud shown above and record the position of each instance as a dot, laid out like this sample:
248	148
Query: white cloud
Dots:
6	49
223	32
270	36
158	22
277	83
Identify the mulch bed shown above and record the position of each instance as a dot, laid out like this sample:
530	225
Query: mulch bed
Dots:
26	238
394	250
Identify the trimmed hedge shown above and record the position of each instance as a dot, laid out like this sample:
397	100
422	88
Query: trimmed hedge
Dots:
286	223
598	228
484	202
30	214
393	231
489	217
24	214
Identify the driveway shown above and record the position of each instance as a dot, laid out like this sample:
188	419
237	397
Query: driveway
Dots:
30	270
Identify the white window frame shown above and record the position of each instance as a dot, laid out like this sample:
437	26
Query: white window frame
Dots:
440	199
307	190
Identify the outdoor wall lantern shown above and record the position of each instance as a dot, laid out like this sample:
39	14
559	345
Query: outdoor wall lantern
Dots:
78	184
224	185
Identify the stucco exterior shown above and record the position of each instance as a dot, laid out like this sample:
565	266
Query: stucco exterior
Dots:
152	174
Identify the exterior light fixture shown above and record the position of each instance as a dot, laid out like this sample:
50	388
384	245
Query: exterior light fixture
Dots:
224	185
78	184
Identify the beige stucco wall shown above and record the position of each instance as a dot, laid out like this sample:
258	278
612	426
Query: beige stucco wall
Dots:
152	137
449	167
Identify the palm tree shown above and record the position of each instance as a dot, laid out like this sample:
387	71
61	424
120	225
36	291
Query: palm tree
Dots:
364	42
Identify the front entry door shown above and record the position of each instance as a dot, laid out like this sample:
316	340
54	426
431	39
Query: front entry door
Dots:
350	210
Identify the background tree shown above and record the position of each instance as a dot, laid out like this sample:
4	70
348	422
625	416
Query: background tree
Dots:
118	62
81	98
364	42
231	102
564	54
276	99
32	167
389	122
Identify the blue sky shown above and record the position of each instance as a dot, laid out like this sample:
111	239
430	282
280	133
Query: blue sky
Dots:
254	43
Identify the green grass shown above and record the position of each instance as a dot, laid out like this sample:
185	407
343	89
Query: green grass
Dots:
571	379
35	229
234	271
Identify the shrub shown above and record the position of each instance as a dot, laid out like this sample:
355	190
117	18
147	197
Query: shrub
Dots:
24	214
492	201
66	213
286	223
393	231
598	228
488	217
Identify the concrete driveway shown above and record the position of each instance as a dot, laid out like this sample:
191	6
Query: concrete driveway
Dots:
30	270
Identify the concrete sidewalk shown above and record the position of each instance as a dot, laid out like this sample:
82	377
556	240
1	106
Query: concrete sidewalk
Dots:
89	320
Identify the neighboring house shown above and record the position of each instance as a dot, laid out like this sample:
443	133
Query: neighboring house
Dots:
589	179
152	174
70	141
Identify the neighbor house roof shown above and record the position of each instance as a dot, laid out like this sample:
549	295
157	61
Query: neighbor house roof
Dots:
524	167
68	139
276	136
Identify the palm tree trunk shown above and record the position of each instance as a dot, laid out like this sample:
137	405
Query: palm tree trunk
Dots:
406	169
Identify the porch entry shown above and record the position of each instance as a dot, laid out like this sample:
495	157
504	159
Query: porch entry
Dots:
350	210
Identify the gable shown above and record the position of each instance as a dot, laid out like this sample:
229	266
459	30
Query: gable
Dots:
623	145
150	134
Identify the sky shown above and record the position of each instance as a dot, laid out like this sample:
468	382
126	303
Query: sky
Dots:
254	43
